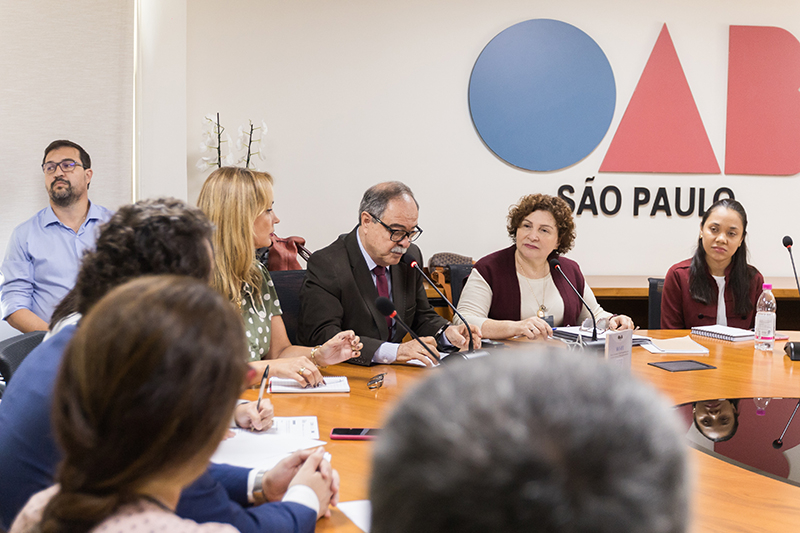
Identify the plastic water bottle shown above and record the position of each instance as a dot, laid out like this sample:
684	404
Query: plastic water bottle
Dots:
765	319
761	405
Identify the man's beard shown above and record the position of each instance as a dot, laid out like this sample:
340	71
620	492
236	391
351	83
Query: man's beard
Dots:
64	197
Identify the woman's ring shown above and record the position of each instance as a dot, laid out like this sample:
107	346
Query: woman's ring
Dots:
302	370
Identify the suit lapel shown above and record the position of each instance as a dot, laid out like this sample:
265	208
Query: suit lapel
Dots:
366	287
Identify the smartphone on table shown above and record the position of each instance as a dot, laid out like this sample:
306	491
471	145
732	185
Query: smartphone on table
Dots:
354	433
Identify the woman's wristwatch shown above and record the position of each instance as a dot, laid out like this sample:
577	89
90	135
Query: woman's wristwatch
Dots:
258	488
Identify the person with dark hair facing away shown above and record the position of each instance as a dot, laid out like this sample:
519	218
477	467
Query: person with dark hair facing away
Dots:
715	286
514	292
150	237
345	278
44	252
513	443
130	431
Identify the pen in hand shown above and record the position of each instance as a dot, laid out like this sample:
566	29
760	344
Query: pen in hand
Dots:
261	391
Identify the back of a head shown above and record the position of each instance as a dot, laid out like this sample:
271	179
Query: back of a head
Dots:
147	384
537	441
160	236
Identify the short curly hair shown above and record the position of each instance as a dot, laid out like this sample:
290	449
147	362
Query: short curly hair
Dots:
544	202
160	236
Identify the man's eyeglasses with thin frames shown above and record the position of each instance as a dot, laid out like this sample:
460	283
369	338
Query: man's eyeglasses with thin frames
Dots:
67	165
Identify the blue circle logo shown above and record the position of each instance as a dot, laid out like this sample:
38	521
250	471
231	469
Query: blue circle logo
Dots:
542	95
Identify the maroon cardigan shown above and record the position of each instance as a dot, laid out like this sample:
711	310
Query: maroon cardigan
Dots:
500	272
680	311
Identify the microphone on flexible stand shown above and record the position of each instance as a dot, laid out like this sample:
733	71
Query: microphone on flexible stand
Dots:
792	349
778	443
471	351
556	264
386	307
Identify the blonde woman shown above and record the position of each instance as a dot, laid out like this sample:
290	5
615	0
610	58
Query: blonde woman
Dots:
239	203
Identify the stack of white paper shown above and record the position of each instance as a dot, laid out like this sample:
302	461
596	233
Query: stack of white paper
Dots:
678	345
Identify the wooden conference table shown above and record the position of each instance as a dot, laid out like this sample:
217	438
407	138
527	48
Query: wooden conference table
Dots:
725	497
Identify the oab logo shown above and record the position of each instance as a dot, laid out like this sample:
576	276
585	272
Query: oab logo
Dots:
542	96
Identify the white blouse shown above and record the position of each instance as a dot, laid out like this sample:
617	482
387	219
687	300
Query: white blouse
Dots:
476	299
722	315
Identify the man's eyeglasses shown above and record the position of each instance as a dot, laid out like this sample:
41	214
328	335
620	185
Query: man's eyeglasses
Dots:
376	382
397	235
67	165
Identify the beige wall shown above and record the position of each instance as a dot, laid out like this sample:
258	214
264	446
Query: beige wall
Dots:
67	73
361	91
357	92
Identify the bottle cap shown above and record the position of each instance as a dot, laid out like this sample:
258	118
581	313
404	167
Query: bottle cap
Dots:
767	287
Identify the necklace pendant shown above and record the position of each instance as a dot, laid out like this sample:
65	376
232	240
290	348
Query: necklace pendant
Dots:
541	311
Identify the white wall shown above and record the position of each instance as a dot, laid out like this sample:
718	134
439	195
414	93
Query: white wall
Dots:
161	99
357	92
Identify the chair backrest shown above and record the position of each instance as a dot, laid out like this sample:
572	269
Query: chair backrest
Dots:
654	302
15	349
458	277
448	258
287	285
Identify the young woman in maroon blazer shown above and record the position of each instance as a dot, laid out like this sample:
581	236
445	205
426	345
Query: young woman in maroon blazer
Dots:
715	286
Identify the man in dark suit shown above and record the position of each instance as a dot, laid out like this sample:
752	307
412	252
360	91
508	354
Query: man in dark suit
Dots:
345	278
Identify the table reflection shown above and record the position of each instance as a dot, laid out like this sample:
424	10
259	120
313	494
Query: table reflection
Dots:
759	434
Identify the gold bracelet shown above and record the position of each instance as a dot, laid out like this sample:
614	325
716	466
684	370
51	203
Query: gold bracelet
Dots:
314	351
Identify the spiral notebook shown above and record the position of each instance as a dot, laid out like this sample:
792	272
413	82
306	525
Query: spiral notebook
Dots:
724	333
332	384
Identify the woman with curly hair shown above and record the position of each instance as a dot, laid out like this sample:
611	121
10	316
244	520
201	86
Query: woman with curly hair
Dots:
512	292
144	395
239	202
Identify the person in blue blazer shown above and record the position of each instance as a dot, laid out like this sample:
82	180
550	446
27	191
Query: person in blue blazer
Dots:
150	237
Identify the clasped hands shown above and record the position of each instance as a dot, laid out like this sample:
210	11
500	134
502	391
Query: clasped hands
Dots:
535	327
304	467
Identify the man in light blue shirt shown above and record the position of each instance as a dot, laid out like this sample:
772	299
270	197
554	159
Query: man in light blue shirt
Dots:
44	252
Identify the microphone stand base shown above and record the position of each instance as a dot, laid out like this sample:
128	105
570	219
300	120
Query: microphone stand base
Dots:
464	356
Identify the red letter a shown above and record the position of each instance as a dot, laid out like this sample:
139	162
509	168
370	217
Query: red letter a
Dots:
661	130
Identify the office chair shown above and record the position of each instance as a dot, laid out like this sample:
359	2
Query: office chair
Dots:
458	277
654	302
287	285
14	350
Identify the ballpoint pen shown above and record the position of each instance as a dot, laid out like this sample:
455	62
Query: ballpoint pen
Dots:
263	386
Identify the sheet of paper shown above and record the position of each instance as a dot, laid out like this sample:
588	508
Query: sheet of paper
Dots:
332	384
359	511
251	449
298	426
678	345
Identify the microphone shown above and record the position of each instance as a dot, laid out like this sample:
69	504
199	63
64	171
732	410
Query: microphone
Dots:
386	307
778	443
471	352
556	264
791	348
